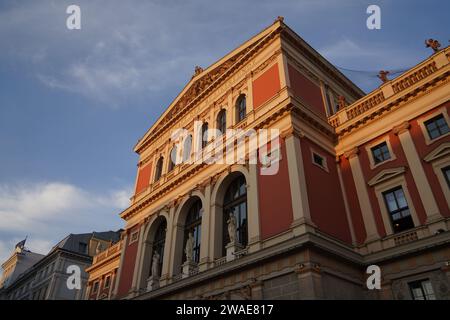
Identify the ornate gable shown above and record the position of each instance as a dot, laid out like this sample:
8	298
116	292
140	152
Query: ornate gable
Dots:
204	79
441	151
386	175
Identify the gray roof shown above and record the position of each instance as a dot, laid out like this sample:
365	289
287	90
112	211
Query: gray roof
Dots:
74	242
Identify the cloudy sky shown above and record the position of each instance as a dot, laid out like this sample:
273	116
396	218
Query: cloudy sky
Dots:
74	102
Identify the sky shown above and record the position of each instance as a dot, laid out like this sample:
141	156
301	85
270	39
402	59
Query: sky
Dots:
73	103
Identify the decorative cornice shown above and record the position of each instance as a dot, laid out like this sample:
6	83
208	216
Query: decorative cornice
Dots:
351	153
403	127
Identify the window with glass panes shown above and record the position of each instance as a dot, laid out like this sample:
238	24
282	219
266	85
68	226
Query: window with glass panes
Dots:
437	127
222	121
241	108
380	153
159	168
159	242
398	209
446	172
235	202
204	137
422	290
193	225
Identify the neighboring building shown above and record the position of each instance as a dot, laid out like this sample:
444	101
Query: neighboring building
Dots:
20	260
103	273
361	180
47	279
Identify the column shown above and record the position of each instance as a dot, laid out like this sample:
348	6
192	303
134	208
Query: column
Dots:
206	240
165	272
297	181
363	195
119	273
135	283
420	179
253	209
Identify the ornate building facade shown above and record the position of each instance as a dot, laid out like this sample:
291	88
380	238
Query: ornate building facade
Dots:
359	180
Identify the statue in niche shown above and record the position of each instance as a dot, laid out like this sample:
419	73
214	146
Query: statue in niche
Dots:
189	249
232	228
155	264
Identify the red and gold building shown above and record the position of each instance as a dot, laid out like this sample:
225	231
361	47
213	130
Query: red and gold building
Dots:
361	180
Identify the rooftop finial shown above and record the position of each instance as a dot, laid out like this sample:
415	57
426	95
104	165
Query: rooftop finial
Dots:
433	44
383	76
198	70
279	18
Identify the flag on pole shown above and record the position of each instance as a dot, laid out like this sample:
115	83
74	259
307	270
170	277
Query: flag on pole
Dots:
21	244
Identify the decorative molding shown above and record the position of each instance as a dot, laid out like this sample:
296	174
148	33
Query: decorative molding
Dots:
351	153
386	175
439	152
403	127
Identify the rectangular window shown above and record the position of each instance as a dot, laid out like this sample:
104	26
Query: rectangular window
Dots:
380	153
446	172
398	210
107	281
422	290
318	159
82	247
95	288
436	126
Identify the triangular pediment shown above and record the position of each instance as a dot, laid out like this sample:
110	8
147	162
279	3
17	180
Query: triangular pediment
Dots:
441	151
203	79
386	175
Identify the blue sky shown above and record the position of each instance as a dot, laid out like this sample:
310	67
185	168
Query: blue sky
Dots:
74	102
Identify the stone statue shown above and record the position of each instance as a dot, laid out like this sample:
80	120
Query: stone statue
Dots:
383	76
197	70
155	264
189	249
433	44
232	228
342	103
99	248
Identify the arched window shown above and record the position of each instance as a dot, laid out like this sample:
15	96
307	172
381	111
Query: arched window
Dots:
204	137
158	244
222	121
173	161
241	108
193	225
159	167
187	145
235	202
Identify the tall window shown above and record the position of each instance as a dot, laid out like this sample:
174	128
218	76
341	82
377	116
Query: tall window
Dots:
158	244
159	167
241	108
187	145
380	153
222	121
398	209
107	282
193	225
173	158
235	202
446	172
436	127
422	290
204	137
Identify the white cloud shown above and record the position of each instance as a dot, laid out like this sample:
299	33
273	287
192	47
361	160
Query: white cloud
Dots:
47	212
